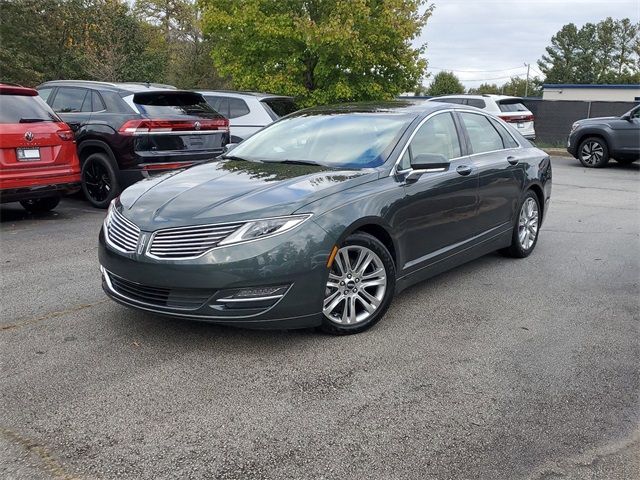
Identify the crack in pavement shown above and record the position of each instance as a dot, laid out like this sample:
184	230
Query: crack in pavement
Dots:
596	188
50	315
49	462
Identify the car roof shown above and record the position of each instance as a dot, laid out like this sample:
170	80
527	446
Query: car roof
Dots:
412	108
133	87
484	95
241	94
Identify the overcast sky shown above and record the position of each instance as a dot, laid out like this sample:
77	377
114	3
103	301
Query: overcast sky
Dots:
490	40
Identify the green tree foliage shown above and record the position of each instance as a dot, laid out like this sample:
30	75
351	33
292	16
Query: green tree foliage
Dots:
607	52
517	87
321	51
445	83
485	88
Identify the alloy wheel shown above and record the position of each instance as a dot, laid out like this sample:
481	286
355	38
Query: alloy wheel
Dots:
592	153
97	181
528	223
356	286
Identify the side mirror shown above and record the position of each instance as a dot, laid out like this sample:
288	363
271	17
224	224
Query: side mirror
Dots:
626	117
230	146
427	163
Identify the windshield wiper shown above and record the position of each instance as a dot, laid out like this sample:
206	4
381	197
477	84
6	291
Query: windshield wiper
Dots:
35	120
296	162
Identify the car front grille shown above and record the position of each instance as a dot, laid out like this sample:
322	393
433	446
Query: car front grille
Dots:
189	242
177	298
122	233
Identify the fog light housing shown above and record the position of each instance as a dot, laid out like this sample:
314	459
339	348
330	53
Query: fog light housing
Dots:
251	298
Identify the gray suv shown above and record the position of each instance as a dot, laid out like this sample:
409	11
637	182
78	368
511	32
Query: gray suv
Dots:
594	141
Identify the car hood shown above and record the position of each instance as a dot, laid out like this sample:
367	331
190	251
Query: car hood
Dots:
231	191
586	121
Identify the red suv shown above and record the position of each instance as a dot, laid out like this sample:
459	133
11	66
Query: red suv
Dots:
38	159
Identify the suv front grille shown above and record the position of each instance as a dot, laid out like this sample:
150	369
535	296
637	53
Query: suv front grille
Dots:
122	233
189	242
178	298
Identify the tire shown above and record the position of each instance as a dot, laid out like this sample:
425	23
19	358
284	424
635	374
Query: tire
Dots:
99	180
625	161
377	295
520	248
593	152
40	205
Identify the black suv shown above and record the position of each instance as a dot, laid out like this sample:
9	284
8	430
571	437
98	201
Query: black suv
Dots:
594	141
128	131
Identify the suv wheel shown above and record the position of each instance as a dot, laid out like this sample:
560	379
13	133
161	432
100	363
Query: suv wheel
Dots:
593	152
360	285
40	205
99	180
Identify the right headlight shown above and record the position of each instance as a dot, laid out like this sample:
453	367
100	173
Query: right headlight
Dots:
264	228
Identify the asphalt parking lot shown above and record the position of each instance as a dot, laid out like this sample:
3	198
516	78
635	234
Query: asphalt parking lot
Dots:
500	369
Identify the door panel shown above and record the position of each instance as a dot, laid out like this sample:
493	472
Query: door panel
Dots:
627	134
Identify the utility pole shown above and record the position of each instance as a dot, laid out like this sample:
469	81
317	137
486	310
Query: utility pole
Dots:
526	86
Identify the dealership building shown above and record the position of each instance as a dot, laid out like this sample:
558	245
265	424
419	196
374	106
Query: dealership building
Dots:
591	92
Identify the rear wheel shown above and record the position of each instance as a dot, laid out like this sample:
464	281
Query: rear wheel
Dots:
526	229
593	152
360	285
99	180
40	205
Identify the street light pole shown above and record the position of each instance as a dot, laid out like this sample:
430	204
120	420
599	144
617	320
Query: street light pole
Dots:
526	87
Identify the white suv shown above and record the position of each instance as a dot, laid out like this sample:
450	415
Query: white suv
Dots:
248	112
509	109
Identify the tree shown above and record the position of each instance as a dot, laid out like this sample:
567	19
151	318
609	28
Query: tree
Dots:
607	52
320	51
445	83
485	88
517	87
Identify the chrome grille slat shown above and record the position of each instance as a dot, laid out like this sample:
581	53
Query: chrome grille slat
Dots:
187	242
122	233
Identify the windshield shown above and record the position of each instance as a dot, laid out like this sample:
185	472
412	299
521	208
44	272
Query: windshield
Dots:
25	109
512	107
346	140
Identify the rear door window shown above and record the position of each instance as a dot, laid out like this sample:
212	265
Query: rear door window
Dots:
170	103
97	104
476	102
71	100
25	109
279	107
237	107
482	134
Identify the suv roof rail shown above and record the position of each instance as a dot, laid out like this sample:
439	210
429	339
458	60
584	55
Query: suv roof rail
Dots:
93	82
150	84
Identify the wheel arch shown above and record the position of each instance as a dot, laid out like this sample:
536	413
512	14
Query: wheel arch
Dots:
89	147
597	134
376	228
539	192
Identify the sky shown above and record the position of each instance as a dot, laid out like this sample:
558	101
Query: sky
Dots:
487	41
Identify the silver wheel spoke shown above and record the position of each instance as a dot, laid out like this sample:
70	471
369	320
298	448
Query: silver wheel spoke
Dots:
356	286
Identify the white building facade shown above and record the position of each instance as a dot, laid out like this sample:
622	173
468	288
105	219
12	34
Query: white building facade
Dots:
591	92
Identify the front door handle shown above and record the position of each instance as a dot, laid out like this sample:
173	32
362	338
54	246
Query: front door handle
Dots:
512	160
464	170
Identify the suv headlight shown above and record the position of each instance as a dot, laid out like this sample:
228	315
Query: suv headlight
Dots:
267	227
574	126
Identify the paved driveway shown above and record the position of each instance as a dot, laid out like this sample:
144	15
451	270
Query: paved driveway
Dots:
500	369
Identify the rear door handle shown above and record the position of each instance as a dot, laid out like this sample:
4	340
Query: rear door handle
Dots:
464	170
512	160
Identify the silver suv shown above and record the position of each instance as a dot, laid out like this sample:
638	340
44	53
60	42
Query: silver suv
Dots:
248	112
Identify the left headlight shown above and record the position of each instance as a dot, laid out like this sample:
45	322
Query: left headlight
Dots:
267	227
574	126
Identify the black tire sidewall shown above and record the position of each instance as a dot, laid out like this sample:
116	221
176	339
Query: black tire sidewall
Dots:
369	241
104	160
516	250
605	154
40	205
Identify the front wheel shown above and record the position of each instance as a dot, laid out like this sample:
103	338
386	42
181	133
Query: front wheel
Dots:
593	152
526	228
40	205
360	285
99	180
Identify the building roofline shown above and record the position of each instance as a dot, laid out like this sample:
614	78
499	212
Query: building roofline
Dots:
617	86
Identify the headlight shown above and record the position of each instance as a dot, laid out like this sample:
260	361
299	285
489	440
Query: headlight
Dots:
267	227
574	126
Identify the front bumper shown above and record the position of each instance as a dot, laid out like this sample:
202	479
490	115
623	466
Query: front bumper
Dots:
199	289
